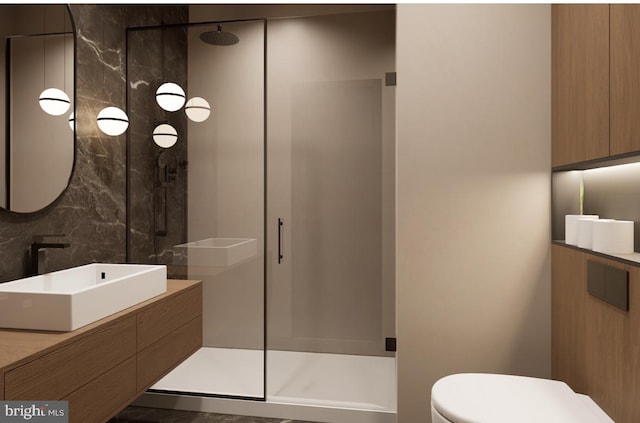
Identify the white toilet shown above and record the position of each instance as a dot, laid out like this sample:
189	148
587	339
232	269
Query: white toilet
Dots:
492	398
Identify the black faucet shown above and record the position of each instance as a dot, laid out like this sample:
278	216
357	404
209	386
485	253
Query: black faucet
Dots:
41	242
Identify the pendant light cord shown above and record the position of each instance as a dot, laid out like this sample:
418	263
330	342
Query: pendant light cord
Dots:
44	47
103	59
64	49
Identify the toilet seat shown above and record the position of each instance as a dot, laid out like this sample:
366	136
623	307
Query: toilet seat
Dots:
492	398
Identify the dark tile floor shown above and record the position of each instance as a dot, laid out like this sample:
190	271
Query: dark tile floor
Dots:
157	415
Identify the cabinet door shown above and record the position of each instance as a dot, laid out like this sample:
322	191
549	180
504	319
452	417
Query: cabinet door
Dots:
612	346
568	300
580	83
625	78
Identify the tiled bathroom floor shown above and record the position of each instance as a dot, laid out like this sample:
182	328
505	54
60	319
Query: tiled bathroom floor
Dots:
157	415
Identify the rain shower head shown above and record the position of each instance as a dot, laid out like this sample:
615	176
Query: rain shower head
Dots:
219	37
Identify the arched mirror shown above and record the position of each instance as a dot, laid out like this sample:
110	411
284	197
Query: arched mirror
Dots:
36	126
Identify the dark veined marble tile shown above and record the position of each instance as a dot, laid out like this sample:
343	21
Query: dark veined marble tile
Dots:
158	415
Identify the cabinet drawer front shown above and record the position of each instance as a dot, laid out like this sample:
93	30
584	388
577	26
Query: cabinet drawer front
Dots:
60	372
104	396
1	385
160	357
166	316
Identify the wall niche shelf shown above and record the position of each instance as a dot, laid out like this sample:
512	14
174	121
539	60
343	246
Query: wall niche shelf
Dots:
611	191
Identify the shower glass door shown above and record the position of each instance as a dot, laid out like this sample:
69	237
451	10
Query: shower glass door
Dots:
199	205
331	154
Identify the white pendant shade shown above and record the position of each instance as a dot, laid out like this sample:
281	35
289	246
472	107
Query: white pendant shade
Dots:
54	101
72	121
197	109
170	96
165	135
113	121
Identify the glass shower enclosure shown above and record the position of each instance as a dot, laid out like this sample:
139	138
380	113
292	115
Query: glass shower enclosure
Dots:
281	202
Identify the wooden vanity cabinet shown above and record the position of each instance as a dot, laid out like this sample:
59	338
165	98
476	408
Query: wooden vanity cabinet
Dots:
595	346
580	82
105	366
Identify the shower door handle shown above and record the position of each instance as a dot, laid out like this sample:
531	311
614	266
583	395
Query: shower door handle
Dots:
280	224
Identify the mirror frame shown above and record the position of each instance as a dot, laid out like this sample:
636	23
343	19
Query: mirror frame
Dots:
75	122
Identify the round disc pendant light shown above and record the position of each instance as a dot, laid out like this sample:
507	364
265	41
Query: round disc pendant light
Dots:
54	101
197	109
165	135
72	121
113	121
170	96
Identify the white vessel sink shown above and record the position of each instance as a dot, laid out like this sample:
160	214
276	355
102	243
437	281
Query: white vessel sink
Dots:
218	251
69	299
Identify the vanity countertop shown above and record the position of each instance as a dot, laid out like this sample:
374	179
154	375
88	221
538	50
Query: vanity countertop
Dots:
21	346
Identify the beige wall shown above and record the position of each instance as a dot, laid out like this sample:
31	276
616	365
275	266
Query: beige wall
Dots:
473	200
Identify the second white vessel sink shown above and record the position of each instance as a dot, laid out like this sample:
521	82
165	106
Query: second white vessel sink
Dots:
69	299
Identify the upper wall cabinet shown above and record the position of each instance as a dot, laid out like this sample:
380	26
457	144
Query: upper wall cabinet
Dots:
580	83
625	78
596	82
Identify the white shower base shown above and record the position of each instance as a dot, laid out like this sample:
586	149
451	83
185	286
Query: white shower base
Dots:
219	371
319	387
